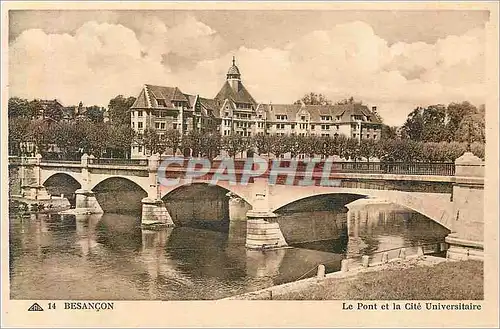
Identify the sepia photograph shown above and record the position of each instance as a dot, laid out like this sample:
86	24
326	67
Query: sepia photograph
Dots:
263	152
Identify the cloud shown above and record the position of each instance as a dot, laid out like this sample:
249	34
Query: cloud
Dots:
101	60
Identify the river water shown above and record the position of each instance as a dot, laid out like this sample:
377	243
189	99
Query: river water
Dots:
110	257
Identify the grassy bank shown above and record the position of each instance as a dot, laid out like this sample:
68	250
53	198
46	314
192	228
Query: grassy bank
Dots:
445	281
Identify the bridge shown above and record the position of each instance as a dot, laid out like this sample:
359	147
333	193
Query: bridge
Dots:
449	193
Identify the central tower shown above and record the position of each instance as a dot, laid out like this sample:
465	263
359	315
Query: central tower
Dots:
234	77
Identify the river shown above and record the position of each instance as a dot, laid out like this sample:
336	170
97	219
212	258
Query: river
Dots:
109	256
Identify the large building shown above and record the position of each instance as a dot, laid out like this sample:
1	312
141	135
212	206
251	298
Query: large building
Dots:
235	111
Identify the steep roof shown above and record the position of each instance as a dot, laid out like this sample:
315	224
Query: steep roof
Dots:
151	93
242	96
210	105
345	111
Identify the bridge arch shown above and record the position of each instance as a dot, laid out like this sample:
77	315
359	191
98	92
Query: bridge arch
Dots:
118	194
436	206
52	175
235	189
62	184
199	204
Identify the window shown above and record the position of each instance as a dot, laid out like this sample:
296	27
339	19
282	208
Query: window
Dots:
226	114
303	125
162	125
139	148
325	118
281	117
325	127
325	135
161	102
260	116
157	125
175	126
303	118
292	126
139	113
280	126
139	125
133	125
312	127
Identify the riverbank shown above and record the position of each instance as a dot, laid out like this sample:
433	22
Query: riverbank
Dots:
422	278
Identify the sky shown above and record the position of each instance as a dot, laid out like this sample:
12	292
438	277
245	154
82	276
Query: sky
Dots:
395	60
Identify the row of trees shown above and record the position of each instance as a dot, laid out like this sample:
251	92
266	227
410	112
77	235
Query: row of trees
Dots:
118	109
436	123
210	144
72	138
86	131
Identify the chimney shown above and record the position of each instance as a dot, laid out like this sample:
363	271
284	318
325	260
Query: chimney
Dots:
374	109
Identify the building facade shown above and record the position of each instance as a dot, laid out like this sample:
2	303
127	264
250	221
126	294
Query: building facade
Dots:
234	111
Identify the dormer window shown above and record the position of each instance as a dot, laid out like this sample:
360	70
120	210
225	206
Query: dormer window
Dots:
326	118
161	102
281	117
303	118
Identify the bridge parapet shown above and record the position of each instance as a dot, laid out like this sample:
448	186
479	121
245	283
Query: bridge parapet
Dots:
466	239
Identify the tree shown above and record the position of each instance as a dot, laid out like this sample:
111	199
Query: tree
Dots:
307	145
262	143
39	134
210	144
152	141
68	136
119	109
352	150
172	139
95	113
292	143
18	133
278	145
426	124
121	137
192	141
389	132
314	99
233	144
18	107
368	148
326	146
471	128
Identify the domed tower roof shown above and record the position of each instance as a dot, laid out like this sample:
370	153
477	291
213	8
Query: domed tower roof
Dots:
233	72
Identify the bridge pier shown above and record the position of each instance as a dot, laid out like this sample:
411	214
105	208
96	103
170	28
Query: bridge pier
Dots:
85	199
154	212
263	231
238	208
466	239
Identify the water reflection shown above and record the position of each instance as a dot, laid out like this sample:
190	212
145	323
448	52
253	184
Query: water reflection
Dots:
110	257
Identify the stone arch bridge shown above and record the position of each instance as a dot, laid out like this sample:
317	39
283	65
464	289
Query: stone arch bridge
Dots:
452	198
